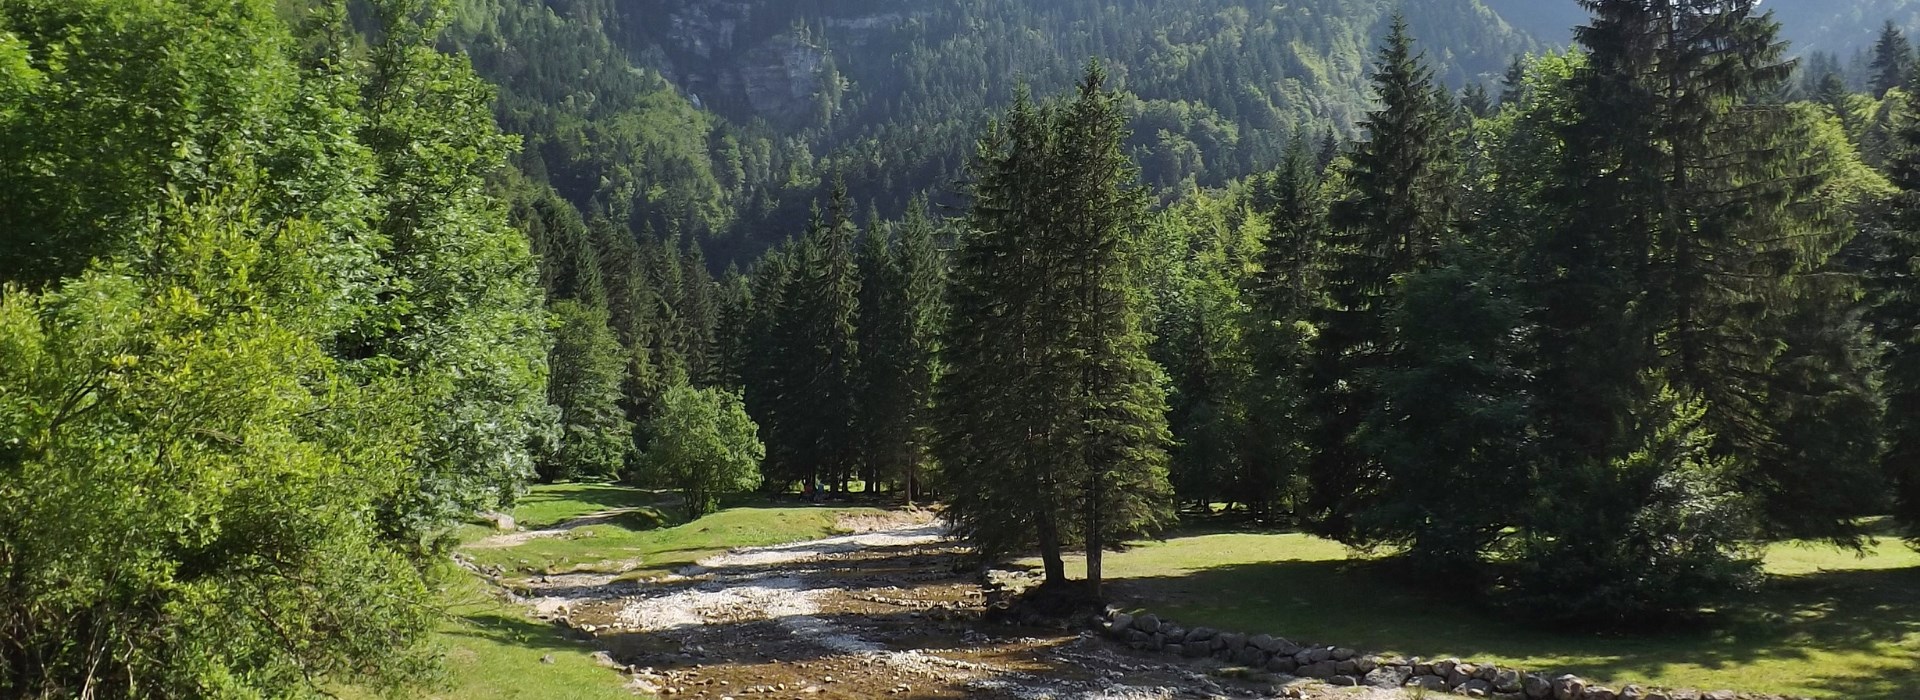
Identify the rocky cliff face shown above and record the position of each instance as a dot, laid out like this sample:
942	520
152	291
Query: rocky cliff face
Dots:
762	58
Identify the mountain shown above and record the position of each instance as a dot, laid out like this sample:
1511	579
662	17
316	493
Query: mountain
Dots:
731	116
728	118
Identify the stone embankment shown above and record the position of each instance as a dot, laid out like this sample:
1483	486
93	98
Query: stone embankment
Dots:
1344	666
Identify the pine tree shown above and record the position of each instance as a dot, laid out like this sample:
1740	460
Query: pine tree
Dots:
819	415
882	382
1892	60
922	268
1053	417
588	368
733	332
1893	284
1730	201
700	317
1392	221
1283	296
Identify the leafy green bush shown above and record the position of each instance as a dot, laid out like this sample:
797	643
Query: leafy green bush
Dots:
704	444
174	522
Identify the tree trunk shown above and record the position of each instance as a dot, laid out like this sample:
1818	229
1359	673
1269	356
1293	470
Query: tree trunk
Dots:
1096	543
1056	568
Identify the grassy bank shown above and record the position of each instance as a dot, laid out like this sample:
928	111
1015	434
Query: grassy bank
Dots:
1827	624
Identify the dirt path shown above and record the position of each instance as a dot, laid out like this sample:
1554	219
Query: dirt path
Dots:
875	614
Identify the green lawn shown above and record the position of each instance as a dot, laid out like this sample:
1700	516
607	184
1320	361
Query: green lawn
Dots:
645	541
1828	624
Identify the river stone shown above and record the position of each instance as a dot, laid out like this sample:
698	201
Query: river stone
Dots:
1343	653
1303	657
1601	693
1148	623
1199	634
1428	683
1475	688
1536	687
1507	681
1462	673
1234	642
1282	664
1569	687
1319	654
1174	632
1633	692
1120	625
1422	668
1284	646
1444	668
1264	642
1387	677
1250	656
1366	664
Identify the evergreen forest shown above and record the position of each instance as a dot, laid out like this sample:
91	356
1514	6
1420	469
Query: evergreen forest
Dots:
1564	312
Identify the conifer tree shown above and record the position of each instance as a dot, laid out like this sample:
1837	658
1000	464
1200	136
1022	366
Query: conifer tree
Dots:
922	268
1054	428
818	415
1892	60
596	437
1893	284
700	316
1398	210
1282	296
733	334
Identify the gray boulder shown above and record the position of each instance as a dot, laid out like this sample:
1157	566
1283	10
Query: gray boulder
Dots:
1506	681
1388	676
1602	693
1569	687
1342	653
1282	664
1428	683
1200	634
1536	687
1462	673
1343	681
1475	688
1264	642
1148	623
1175	649
1120	625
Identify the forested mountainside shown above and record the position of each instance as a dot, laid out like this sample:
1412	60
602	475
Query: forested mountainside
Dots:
726	118
730	117
1833	26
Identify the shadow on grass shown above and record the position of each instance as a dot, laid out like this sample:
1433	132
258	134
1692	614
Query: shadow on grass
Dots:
1864	614
511	629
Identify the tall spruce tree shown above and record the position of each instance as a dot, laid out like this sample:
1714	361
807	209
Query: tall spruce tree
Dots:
1893	283
882	382
1053	417
819	412
1398	209
922	268
1892	60
1282	297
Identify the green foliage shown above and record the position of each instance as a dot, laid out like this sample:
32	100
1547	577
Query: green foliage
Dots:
1052	418
1451	428
174	520
1397	208
588	367
704	445
1659	530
